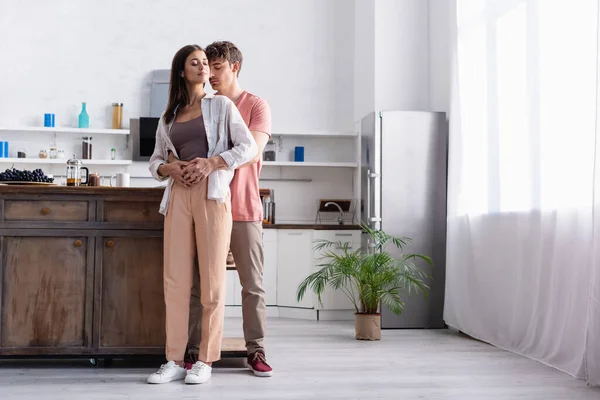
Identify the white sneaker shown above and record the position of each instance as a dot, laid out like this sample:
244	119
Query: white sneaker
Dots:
167	373
200	373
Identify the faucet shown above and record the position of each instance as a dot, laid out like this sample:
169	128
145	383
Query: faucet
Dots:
340	218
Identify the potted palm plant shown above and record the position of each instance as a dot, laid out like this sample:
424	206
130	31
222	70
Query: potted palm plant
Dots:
369	278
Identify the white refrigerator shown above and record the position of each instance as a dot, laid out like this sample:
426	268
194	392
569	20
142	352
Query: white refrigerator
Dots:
403	190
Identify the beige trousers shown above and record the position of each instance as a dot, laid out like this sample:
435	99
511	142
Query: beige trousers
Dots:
247	248
194	226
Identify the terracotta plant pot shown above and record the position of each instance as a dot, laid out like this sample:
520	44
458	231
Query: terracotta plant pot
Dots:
367	326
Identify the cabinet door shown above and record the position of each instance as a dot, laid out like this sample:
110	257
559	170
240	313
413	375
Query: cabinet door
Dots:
132	306
46	294
270	266
233	294
294	262
332	299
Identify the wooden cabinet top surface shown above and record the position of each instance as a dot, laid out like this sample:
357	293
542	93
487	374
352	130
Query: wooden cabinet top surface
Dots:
80	190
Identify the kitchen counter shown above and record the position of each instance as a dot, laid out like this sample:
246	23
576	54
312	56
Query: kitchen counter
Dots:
141	194
316	227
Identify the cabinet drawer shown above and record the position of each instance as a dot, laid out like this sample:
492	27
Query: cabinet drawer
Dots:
132	211
45	210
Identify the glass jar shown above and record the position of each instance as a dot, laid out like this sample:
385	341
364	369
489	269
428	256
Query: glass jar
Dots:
61	154
74	173
86	148
270	151
117	115
53	153
43	154
21	153
113	154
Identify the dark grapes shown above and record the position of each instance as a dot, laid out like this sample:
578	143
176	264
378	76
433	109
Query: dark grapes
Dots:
36	175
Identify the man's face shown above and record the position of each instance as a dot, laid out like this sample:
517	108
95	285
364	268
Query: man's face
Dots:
222	73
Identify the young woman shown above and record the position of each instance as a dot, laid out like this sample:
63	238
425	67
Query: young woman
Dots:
211	140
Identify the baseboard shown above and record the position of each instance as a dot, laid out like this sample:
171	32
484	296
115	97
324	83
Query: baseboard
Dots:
236	311
298	313
335	315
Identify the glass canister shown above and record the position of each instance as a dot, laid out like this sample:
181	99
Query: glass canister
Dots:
74	173
270	151
86	148
117	115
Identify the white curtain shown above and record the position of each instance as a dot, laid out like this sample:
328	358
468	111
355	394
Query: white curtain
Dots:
523	263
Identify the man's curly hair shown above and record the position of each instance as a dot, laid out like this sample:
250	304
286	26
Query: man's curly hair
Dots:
225	50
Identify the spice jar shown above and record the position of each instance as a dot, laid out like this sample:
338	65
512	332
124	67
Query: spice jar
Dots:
43	154
117	115
53	152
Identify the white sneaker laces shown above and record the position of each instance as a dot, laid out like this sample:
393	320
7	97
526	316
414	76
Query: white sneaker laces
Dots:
197	368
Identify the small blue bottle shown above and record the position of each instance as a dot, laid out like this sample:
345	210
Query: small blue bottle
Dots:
84	118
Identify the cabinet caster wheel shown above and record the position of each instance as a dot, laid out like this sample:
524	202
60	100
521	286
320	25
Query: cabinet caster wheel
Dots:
93	362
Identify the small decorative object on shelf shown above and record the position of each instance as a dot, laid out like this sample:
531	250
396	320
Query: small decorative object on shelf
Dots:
84	118
43	154
113	154
53	153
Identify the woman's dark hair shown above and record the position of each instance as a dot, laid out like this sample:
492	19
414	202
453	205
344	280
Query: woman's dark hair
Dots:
177	90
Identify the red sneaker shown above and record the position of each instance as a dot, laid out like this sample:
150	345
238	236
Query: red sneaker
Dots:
257	363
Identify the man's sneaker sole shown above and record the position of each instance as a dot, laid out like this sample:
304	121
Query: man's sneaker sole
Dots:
259	373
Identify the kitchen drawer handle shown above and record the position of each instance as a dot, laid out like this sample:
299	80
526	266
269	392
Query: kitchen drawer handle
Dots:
45	211
342	247
110	244
343	234
295	233
78	243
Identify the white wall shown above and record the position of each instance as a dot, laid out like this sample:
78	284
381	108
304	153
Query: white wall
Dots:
401	55
439	54
364	58
103	51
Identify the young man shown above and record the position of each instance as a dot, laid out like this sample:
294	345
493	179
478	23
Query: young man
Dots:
225	61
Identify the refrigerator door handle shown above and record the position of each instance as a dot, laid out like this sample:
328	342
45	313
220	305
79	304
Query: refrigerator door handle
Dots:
368	195
371	175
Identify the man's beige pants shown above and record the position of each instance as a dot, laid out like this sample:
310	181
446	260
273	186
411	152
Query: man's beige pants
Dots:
247	249
194	226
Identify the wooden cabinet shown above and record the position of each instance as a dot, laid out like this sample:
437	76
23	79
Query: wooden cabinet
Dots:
46	294
81	271
294	263
334	299
130	308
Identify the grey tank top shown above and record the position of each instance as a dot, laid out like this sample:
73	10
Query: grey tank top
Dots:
189	139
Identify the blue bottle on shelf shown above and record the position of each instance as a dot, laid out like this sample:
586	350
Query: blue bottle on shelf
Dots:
84	118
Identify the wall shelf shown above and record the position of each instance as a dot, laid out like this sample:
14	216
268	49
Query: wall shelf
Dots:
61	161
81	131
316	134
309	164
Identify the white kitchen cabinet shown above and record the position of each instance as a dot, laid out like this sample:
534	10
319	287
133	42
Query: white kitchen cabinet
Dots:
270	266
230	296
269	271
334	299
294	264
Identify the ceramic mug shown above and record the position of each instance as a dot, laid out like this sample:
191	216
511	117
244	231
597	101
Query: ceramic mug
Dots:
122	180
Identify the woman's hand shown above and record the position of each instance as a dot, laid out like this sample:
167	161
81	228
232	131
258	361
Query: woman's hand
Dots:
175	170
197	170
